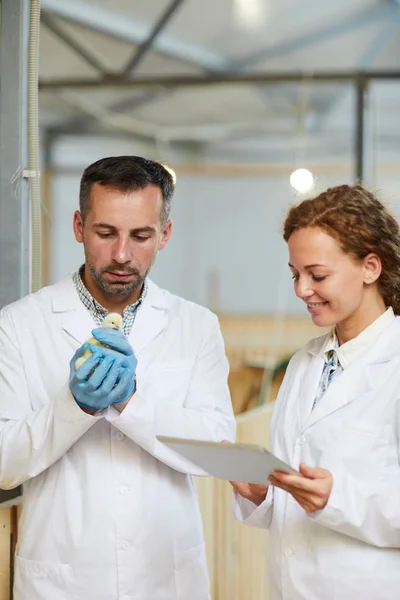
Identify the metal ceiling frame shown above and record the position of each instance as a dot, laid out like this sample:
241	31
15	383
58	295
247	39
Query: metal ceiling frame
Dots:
218	70
217	79
147	44
387	10
57	29
383	11
130	30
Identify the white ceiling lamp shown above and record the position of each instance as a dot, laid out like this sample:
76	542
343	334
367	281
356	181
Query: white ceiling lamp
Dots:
302	181
249	13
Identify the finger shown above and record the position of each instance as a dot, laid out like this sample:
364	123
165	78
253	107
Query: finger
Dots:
241	488
103	351
288	478
118	394
110	379
310	505
316	490
113	339
88	366
313	473
96	379
302	498
81	351
297	484
305	504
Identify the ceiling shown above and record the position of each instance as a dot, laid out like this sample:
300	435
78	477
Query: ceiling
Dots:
99	72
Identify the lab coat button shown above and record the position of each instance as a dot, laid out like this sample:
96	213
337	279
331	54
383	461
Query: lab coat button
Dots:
289	551
119	436
125	598
123	490
124	545
302	440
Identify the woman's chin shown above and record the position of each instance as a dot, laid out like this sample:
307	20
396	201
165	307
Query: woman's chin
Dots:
323	320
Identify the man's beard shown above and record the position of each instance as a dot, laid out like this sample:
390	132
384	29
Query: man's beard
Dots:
117	288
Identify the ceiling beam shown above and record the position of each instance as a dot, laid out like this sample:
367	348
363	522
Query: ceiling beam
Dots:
371	53
126	29
357	20
52	25
147	44
165	82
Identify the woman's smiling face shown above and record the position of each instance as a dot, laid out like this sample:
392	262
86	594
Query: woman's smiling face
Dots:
329	281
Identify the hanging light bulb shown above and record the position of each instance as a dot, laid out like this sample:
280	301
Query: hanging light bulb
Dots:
249	13
302	181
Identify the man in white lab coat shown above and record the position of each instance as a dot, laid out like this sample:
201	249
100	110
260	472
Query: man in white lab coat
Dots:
109	513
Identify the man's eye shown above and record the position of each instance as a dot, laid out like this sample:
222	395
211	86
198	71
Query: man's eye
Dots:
104	235
295	277
140	238
318	278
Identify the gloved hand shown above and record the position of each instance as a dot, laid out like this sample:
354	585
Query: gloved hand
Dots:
101	380
117	344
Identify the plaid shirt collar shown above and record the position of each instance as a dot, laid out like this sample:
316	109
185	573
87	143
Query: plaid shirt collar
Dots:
97	311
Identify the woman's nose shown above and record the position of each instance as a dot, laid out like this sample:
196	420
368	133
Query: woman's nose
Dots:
303	289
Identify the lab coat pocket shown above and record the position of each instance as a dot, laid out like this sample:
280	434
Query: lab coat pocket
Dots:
39	580
191	576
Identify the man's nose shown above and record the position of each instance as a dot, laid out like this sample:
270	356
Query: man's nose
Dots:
122	252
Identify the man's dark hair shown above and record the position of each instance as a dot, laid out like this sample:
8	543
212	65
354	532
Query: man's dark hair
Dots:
127	174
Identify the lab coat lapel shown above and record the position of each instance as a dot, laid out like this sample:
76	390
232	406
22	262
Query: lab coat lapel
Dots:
352	383
75	319
360	379
310	379
151	319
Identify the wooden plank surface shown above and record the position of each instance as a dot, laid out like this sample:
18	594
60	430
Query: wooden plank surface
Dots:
237	555
5	533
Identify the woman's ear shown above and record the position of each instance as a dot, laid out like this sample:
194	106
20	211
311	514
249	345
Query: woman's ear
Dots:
372	268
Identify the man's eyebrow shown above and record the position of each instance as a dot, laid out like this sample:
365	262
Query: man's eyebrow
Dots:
146	229
104	225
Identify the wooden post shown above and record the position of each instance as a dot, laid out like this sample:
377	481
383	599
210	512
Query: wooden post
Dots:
5	553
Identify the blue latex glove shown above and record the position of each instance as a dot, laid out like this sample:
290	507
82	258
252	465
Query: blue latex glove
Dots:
118	345
101	380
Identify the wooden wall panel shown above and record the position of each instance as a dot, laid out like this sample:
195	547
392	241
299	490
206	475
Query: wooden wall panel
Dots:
237	555
5	541
253	339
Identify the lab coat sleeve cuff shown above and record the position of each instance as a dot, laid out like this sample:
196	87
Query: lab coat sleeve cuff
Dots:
135	421
71	412
249	513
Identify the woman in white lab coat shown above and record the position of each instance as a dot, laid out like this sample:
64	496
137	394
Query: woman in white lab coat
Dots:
335	527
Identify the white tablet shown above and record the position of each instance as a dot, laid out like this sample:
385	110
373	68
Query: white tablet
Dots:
234	462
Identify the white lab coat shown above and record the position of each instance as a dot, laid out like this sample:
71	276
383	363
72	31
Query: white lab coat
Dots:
350	550
109	513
